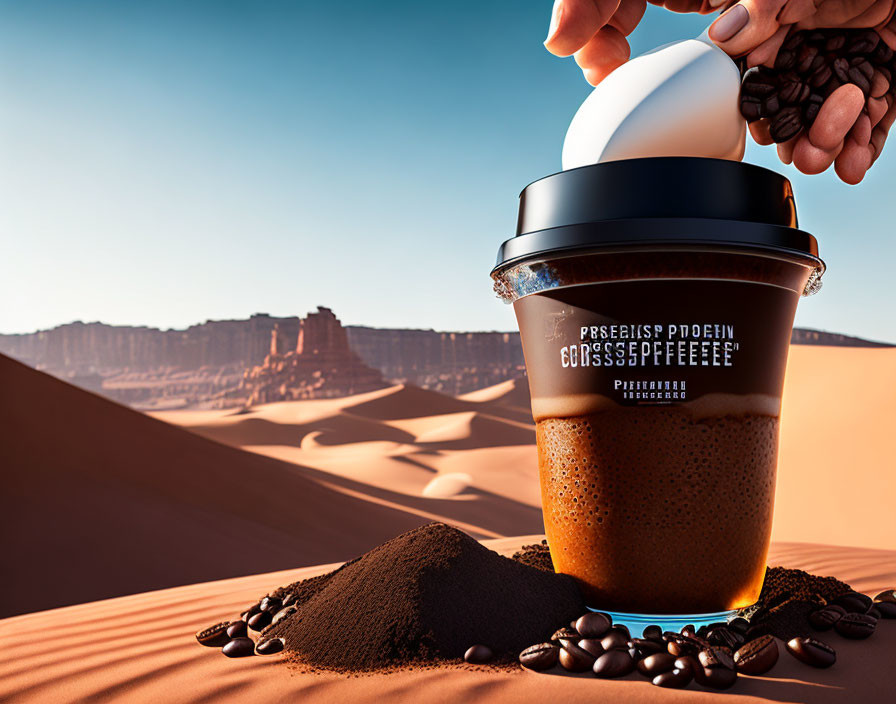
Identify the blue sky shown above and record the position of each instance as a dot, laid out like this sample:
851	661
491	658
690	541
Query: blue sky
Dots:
167	162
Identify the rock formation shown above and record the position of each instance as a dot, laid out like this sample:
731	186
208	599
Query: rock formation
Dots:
321	365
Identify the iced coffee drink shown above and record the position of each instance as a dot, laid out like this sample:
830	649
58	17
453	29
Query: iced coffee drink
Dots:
656	370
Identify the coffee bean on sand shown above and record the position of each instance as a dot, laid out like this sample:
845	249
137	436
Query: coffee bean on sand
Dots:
886	609
540	657
271	604
824	619
856	626
574	658
756	657
716	657
614	640
715	677
565	633
674	679
653	665
812	652
237	629
887	595
592	645
593	625
259	621
214	636
653	633
269	646
479	654
614	663
239	648
854	602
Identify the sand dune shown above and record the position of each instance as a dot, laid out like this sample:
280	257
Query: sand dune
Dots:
99	500
141	649
836	474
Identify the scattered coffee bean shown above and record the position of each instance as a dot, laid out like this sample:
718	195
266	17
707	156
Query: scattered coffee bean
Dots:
645	647
614	640
237	630
592	645
270	646
214	636
874	612
886	609
239	648
687	662
725	637
260	620
614	663
887	595
540	657
655	664
715	677
716	657
812	652
856	626
250	612
854	602
756	657
289	599
593	625
574	658
565	633
619	628
824	619
756	630
689	630
675	679
739	625
478	654
283	613
678	644
270	603
653	633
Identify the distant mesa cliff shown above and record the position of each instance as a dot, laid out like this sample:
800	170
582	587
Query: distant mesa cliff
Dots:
321	364
231	362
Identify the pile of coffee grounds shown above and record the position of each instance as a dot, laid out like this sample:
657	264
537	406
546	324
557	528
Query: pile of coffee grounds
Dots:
788	596
424	596
537	555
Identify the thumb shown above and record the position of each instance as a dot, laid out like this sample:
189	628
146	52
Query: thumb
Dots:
744	26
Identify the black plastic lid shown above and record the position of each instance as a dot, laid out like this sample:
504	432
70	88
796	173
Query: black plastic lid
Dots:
658	200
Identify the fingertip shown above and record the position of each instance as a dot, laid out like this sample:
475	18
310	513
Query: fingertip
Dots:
810	159
853	163
759	130
785	150
837	116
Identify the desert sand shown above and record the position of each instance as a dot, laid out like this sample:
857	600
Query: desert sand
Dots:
101	501
836	470
141	649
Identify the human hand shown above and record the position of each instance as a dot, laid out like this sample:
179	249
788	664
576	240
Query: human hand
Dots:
850	129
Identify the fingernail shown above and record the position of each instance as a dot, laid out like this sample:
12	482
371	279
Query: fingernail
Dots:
716	3
729	24
556	14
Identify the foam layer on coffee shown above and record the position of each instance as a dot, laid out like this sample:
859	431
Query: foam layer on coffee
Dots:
655	510
706	406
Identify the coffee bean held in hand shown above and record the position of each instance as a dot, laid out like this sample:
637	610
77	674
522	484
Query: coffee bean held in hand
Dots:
811	65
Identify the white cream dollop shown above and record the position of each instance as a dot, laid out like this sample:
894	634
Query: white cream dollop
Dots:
677	100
